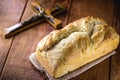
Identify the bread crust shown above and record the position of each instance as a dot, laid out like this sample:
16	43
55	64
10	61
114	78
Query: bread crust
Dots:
75	45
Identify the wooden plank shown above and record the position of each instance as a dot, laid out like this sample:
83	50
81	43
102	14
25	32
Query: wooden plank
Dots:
99	8
18	66
115	61
10	13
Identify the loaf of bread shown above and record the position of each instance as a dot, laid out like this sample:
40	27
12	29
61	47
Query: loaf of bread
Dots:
77	44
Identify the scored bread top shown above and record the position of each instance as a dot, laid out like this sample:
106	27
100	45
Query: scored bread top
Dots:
91	26
82	36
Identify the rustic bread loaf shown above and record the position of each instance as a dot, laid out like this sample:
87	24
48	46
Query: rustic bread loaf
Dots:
75	45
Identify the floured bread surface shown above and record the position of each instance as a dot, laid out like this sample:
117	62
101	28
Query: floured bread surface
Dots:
75	45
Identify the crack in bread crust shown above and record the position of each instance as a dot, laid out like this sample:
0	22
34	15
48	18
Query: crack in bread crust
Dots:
84	25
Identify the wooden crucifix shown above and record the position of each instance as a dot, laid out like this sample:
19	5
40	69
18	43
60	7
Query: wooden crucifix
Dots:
42	15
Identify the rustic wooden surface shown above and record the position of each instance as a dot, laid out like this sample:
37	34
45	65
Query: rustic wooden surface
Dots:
115	60
15	51
10	13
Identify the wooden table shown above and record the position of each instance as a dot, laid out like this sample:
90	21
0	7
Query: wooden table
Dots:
15	51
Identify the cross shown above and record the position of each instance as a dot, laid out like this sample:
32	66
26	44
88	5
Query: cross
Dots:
56	23
42	15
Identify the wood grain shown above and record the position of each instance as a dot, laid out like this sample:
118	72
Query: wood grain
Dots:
10	13
98	8
18	66
115	61
16	51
